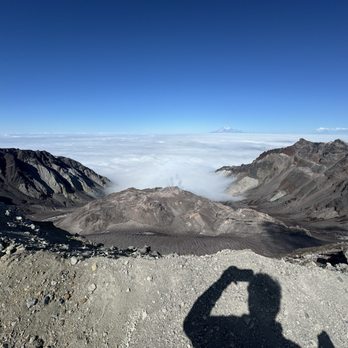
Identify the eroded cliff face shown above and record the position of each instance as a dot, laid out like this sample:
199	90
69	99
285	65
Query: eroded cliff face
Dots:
306	180
39	178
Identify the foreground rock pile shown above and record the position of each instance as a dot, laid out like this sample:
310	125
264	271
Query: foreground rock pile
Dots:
18	233
334	257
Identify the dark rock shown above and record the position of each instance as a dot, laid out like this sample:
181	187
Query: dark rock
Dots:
145	250
155	254
47	300
37	342
333	259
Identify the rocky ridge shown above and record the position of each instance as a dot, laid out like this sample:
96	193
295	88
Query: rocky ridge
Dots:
32	179
306	181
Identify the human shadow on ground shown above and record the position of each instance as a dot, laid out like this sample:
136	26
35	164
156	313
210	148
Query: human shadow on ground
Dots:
259	328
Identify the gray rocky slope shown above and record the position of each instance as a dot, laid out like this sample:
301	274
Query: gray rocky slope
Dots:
37	178
303	182
169	210
64	292
229	299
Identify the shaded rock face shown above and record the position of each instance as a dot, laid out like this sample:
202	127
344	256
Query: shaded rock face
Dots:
164	210
20	233
39	178
307	180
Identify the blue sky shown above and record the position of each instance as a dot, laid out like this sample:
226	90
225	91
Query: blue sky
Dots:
173	66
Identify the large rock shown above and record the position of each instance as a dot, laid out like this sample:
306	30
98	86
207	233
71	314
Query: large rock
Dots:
39	178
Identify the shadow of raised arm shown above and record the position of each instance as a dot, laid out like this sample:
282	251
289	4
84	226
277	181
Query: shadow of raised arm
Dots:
202	308
258	328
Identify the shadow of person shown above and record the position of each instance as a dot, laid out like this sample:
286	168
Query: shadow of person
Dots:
259	328
324	341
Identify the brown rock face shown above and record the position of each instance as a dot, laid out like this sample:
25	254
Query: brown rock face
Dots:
39	178
306	181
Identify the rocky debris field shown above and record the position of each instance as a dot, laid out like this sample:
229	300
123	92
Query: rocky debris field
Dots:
333	256
57	290
65	292
47	300
19	233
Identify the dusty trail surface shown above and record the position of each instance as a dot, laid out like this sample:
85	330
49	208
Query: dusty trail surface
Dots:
47	300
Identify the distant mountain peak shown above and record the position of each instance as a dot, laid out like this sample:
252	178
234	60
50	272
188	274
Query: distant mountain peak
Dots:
227	129
303	141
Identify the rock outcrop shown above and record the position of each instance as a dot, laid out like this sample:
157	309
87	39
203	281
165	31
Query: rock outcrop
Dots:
37	178
305	181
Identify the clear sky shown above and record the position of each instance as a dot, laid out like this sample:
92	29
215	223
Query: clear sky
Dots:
173	65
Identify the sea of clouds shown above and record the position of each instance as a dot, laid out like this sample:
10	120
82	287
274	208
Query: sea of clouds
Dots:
145	161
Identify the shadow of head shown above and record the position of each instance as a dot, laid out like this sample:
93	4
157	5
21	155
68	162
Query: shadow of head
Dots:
264	297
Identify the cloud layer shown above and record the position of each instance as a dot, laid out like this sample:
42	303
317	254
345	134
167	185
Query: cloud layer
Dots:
332	130
143	161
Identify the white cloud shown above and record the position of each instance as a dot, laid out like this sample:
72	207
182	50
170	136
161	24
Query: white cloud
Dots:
332	130
145	161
